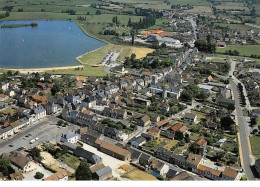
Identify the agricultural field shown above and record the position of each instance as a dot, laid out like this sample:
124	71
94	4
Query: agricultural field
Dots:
255	141
200	10
138	175
238	27
246	50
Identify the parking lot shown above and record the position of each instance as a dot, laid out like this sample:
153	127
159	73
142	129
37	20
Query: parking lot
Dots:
45	131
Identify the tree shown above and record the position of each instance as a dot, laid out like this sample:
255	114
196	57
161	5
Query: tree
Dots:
5	166
98	12
35	153
226	122
38	175
60	122
179	136
194	148
83	172
133	36
129	24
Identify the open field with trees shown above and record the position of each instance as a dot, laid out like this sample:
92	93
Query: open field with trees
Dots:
244	50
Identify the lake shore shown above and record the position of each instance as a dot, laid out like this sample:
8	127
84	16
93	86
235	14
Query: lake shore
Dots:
34	70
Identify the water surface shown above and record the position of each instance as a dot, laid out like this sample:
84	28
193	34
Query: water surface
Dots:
51	44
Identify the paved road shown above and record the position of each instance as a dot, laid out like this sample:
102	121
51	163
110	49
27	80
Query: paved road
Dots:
243	134
233	67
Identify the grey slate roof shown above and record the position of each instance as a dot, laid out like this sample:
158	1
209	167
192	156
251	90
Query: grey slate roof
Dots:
103	171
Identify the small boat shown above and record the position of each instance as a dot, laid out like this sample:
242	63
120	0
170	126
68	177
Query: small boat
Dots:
23	40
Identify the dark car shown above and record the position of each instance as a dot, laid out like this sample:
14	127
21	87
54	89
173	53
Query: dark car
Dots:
11	145
20	149
219	164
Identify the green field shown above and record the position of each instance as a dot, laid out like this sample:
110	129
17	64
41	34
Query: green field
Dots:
238	27
70	160
255	141
87	71
244	50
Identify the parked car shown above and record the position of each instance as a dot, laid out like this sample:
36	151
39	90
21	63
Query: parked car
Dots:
11	145
201	176
219	164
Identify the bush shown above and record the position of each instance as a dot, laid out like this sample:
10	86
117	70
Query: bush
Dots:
39	175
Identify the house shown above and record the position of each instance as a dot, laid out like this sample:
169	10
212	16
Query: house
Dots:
162	123
103	174
51	108
155	117
183	176
154	132
163	154
70	147
61	175
230	174
221	44
190	117
94	168
159	167
3	97
138	141
257	166
89	102
210	172
90	137
142	101
91	157
178	160
20	161
144	160
70	137
171	173
202	143
143	120
193	161
113	150
124	122
4	85
40	112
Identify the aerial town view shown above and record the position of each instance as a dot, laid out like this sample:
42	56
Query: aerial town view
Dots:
129	90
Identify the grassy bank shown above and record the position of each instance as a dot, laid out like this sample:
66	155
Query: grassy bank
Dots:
86	71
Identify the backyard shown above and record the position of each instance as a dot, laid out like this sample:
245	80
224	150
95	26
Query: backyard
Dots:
255	141
138	175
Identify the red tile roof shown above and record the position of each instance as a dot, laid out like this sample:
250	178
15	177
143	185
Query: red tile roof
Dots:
163	122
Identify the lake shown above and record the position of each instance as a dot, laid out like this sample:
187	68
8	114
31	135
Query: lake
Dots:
51	44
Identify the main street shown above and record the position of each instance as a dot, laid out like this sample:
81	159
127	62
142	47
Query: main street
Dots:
242	124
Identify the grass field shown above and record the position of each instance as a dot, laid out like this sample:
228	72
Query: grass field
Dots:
168	144
87	71
96	57
138	175
238	27
200	9
255	141
246	50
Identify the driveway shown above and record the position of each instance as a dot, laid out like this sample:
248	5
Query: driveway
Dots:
30	176
107	160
